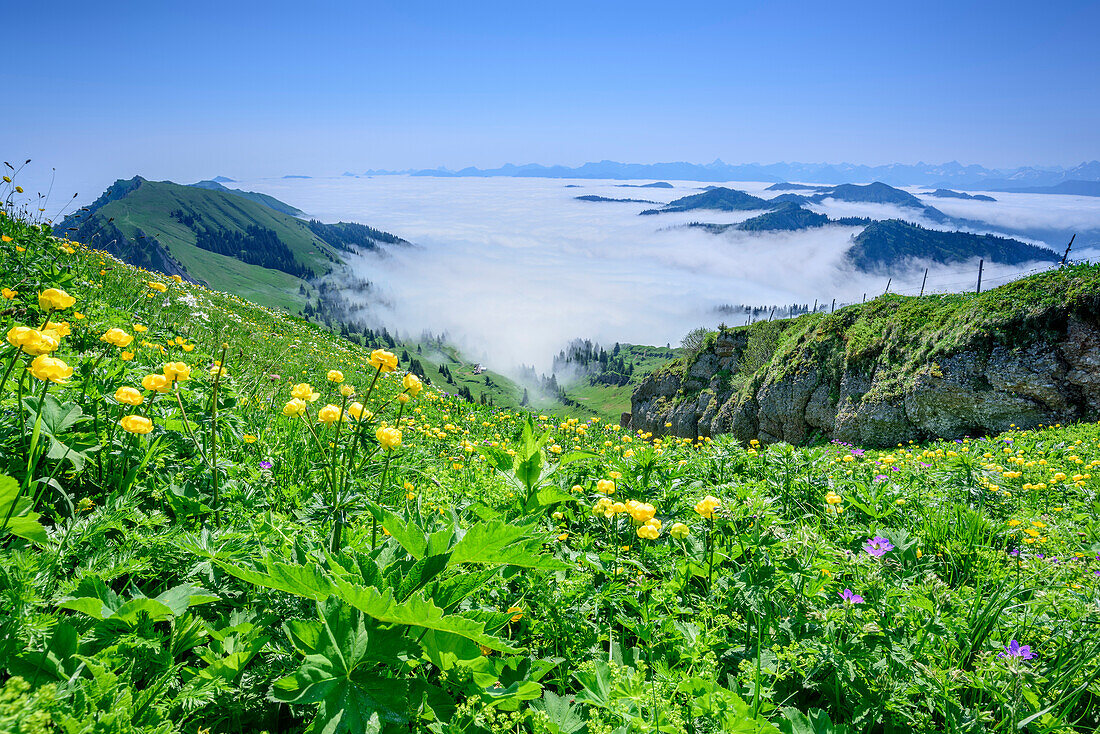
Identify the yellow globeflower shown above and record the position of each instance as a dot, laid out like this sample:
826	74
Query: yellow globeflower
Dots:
32	341
126	356
641	511
335	376
140	329
833	498
328	415
248	438
129	396
412	384
8	293
606	486
55	299
382	360
156	383
136	424
679	530
117	337
296	406
302	391
389	438
187	347
648	532
158	287
347	390
706	506
48	368
177	371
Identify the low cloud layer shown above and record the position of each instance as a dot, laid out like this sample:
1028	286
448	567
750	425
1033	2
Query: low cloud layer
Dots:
513	269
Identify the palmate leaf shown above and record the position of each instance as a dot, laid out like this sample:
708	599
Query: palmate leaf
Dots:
57	422
815	721
344	653
95	599
563	718
501	544
311	582
418	611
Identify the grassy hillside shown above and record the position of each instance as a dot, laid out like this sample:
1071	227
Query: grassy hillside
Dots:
153	209
610	401
209	528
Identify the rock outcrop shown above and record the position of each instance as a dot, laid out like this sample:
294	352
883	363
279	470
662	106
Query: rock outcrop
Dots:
894	369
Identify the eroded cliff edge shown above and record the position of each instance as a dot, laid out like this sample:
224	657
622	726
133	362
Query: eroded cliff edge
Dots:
894	369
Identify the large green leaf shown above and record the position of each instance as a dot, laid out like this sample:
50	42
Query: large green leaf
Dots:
417	611
501	544
57	425
95	599
305	581
814	721
342	674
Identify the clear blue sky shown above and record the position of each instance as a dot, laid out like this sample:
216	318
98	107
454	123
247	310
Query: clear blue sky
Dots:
177	90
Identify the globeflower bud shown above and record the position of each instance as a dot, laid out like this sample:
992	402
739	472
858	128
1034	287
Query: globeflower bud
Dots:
295	407
129	396
136	424
48	368
389	438
117	337
55	299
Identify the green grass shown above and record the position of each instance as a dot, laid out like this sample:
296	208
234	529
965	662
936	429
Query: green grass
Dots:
611	401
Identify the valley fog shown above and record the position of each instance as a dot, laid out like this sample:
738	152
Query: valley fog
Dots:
512	269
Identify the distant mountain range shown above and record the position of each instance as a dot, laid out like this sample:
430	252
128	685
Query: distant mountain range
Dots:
242	242
882	245
718	198
944	175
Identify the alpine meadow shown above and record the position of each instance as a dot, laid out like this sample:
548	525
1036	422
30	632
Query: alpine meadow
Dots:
381	368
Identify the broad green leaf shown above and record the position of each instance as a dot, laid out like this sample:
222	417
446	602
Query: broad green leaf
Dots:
23	523
27	527
502	544
417	611
306	581
340	672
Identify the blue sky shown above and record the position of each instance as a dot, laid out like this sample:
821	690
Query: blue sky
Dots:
190	90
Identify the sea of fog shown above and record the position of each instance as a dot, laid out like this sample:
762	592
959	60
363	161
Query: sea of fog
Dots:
512	269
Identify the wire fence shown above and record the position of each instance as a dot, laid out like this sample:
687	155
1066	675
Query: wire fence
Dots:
945	283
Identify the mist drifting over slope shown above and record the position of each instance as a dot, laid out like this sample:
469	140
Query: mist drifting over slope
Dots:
513	269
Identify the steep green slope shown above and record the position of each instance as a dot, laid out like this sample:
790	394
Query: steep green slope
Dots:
269	201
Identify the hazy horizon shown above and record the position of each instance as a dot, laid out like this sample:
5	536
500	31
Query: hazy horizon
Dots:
245	90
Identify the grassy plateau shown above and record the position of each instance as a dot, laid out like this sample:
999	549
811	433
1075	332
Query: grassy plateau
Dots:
215	517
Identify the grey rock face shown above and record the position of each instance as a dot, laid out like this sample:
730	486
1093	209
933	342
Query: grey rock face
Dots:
984	388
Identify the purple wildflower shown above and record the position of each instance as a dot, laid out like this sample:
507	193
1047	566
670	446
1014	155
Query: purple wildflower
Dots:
878	546
265	464
1015	650
851	598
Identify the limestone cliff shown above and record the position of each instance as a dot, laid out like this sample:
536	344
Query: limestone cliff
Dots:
893	369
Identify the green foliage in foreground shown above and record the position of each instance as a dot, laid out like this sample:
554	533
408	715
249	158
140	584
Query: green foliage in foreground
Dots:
251	563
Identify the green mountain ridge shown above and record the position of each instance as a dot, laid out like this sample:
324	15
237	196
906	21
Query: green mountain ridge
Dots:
239	242
891	242
269	201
